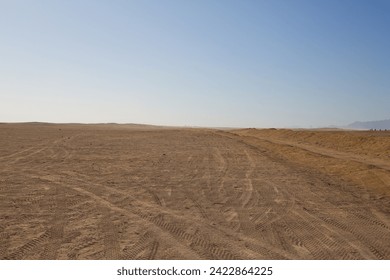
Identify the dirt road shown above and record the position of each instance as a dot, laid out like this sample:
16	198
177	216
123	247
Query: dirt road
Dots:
123	192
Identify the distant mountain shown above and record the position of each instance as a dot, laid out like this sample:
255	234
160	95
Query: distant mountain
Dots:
384	124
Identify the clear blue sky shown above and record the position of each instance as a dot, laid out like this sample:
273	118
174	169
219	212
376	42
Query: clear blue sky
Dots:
203	63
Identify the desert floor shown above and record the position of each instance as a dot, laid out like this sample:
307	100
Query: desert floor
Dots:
134	192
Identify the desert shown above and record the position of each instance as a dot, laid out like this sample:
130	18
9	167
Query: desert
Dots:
108	191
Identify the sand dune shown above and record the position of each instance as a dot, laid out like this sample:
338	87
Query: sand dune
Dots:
138	192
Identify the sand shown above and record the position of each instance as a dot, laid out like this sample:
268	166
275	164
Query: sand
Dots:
138	192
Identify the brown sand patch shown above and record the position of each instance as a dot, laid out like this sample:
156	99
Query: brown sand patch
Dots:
135	192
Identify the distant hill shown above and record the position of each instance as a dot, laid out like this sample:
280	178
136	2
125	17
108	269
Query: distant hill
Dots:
384	124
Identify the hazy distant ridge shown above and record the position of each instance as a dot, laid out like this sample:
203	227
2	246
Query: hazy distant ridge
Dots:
383	124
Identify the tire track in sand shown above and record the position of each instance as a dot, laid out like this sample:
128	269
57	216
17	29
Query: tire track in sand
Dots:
131	252
170	230
248	192
20	252
156	224
110	235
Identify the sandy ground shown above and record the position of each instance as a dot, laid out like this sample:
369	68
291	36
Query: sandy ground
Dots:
133	192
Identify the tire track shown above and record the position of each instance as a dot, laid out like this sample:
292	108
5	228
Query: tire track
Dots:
370	244
176	232
4	241
311	243
247	194
153	250
85	243
20	253
345	243
46	161
266	253
156	198
156	222
223	170
56	230
130	253
38	147
182	235
325	152
369	219
198	206
110	235
34	152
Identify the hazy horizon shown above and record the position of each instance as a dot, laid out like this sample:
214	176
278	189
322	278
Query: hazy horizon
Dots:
195	63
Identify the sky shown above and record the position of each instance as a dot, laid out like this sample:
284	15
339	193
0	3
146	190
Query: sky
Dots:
244	63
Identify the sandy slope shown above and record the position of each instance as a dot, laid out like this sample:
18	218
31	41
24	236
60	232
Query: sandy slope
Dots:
124	192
